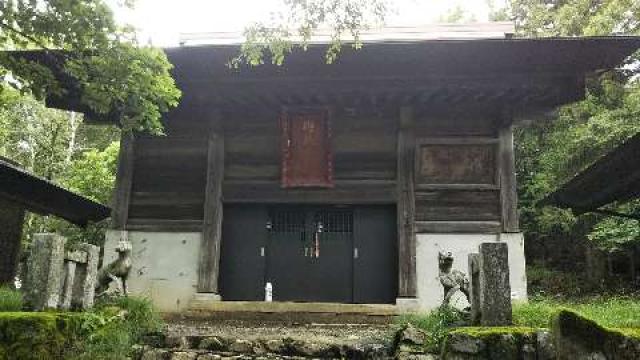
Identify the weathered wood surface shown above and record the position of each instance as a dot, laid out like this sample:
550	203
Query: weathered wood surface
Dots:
11	219
124	181
508	194
458	205
344	192
406	205
169	178
209	263
475	227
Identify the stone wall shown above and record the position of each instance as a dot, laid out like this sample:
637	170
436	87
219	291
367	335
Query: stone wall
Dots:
164	266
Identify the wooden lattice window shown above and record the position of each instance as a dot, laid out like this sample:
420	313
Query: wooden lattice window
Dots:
307	159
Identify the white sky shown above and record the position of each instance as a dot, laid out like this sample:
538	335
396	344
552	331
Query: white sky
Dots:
162	21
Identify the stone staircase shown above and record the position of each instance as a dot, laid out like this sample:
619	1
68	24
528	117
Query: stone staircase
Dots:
274	330
239	340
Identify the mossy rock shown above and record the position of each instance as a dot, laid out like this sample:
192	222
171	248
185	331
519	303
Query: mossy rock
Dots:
36	335
576	336
488	342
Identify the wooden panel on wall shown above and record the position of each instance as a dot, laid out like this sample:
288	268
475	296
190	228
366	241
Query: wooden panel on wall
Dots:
458	205
456	164
169	179
364	149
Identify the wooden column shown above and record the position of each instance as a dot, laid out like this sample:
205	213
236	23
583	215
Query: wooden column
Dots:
508	194
124	181
212	224
11	219
405	192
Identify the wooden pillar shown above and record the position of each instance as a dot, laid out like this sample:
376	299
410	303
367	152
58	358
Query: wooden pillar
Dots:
11	219
508	194
405	192
124	181
212	223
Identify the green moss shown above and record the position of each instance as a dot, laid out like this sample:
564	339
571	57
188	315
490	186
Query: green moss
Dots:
486	332
37	335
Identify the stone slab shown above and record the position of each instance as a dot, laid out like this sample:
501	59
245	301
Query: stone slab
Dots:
495	289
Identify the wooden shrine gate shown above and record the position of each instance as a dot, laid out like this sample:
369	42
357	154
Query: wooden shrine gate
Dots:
344	254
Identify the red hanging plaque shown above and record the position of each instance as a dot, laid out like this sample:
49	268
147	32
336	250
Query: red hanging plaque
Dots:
307	159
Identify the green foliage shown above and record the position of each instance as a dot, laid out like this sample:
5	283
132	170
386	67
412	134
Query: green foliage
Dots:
37	335
617	312
59	146
437	324
575	18
549	153
302	18
81	39
10	299
114	326
613	233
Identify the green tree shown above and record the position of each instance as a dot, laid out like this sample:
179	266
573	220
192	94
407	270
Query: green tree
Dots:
549	153
81	40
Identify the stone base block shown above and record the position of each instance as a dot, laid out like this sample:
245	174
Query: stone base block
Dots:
206	297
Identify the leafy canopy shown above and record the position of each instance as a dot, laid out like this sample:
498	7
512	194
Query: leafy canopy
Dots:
80	40
550	153
301	20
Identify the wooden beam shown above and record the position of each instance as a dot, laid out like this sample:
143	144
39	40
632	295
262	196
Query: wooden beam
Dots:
475	227
406	205
124	182
507	172
344	192
212	223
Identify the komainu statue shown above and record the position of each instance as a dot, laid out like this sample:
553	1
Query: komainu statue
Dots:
112	279
455	284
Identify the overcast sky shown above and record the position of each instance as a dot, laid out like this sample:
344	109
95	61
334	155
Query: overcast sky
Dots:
162	21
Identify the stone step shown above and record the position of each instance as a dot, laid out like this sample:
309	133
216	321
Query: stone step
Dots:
217	347
290	312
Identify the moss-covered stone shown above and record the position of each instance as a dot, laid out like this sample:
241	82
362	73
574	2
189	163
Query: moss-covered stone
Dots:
488	343
36	335
577	336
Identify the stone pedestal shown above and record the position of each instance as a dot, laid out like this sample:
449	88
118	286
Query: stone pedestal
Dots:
46	270
494	287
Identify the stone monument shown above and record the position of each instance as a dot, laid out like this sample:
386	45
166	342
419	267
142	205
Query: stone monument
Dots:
490	287
60	279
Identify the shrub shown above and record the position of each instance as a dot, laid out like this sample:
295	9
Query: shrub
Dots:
10	299
114	326
436	324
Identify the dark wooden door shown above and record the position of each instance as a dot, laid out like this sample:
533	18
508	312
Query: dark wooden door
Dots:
310	254
376	260
243	252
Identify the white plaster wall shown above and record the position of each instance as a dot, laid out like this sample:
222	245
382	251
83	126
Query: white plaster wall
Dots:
164	266
430	293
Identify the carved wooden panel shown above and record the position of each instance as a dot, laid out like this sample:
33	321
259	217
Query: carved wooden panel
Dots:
456	164
307	159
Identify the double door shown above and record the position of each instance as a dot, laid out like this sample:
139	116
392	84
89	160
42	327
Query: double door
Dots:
341	254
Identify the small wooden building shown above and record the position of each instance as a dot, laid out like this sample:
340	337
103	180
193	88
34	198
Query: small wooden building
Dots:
339	183
22	191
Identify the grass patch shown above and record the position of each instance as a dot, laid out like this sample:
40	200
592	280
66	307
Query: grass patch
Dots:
436	324
10	299
113	327
614	312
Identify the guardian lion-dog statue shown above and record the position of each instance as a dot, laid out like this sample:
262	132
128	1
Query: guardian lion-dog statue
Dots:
116	272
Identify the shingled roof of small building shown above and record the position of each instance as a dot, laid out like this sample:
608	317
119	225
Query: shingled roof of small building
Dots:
41	196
